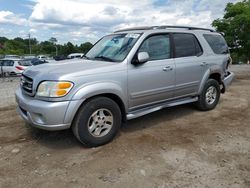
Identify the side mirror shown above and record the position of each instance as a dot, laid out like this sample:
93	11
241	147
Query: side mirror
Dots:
142	57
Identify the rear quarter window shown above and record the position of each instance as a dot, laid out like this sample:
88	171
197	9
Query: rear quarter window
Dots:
8	63
217	43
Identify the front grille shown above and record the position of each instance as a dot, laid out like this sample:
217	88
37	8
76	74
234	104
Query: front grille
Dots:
26	84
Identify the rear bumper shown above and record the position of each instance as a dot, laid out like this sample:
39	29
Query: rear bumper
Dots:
227	81
46	115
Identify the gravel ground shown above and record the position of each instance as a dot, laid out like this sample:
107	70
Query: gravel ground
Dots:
175	147
7	90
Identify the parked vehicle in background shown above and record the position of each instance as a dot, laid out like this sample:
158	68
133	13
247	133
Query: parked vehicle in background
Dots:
125	75
37	61
29	56
12	57
75	55
13	66
60	57
42	57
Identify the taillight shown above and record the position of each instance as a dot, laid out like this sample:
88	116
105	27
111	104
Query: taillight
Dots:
19	68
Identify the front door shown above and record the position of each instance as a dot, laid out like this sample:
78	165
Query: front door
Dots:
154	80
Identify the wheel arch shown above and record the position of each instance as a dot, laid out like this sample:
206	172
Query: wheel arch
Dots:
216	75
111	96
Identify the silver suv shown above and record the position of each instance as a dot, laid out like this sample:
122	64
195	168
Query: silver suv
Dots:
125	75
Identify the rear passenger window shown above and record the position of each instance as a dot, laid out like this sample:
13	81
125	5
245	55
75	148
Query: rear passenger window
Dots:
8	63
157	46
217	43
186	45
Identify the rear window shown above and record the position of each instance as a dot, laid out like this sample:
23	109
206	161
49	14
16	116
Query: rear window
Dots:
186	45
25	63
217	43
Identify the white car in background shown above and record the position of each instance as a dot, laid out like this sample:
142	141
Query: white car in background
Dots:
9	56
13	66
42	57
75	55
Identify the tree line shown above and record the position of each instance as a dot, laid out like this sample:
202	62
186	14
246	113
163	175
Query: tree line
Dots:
20	46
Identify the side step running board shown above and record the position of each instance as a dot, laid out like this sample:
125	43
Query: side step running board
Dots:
147	110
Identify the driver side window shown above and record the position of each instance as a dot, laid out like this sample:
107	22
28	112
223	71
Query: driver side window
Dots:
157	47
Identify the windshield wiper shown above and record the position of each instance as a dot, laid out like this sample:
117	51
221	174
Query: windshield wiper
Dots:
105	58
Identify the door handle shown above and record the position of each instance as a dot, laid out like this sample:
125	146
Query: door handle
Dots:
167	68
203	64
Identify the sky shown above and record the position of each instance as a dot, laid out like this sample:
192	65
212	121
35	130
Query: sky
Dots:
80	21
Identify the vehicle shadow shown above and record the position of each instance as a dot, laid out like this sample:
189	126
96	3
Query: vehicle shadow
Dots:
61	140
155	118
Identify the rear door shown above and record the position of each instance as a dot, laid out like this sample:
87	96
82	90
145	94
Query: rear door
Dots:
8	66
1	66
5	66
190	64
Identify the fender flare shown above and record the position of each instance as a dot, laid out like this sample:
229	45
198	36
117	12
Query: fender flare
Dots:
99	88
91	90
206	77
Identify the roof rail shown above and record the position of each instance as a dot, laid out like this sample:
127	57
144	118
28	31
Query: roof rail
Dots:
164	27
184	27
135	28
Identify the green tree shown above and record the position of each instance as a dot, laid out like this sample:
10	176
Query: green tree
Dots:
85	47
68	49
3	40
53	40
235	24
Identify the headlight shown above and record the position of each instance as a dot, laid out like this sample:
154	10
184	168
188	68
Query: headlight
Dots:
54	88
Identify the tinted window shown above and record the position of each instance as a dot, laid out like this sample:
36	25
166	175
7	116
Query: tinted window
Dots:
217	43
25	63
8	63
186	45
158	47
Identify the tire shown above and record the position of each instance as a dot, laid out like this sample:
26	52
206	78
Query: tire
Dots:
97	122
209	96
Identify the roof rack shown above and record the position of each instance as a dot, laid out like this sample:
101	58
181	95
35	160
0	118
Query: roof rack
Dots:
135	28
164	27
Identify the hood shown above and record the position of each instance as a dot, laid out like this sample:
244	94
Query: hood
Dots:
73	67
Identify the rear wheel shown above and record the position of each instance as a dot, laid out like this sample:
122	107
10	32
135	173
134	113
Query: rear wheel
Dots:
97	122
210	95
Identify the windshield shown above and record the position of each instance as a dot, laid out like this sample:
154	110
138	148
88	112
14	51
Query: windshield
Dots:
113	48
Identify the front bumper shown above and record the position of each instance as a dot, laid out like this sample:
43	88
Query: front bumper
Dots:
227	81
46	115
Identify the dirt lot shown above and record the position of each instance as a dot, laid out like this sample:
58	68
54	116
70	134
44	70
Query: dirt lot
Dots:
175	147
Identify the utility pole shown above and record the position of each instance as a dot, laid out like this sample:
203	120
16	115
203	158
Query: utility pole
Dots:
29	43
56	50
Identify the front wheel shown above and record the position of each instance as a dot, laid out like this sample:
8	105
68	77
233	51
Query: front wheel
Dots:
97	122
210	96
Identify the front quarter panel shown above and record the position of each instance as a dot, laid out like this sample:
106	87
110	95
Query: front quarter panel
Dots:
98	88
